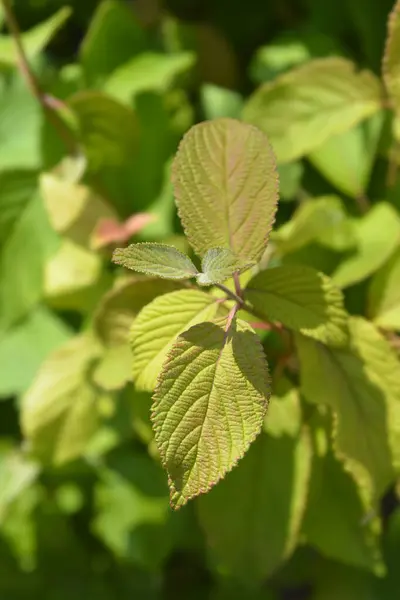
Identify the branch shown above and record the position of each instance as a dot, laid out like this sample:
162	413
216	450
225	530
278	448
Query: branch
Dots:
33	84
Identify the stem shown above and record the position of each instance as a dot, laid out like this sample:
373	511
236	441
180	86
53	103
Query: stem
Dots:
238	288
230	294
32	82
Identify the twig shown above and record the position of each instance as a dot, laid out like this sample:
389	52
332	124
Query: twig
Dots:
33	85
230	294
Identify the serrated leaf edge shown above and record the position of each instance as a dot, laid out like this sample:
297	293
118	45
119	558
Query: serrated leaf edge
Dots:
147	272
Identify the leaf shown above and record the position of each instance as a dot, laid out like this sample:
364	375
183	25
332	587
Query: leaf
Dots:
148	71
40	330
209	404
159	260
322	220
338	581
378	235
303	108
26	242
284	411
107	129
220	102
290	176
391	62
218	265
361	386
113	26
346	160
302	299
384	295
120	306
158	324
34	40
109	231
252	519
59	411
226	187
114	369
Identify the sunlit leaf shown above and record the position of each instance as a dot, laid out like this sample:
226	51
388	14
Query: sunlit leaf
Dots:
384	295
159	260
220	102
226	169
391	62
218	265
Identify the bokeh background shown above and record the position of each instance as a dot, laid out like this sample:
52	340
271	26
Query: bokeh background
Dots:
87	137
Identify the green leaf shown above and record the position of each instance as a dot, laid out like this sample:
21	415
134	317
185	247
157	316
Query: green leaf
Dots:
107	129
148	72
252	519
114	369
27	241
290	176
113	37
334	581
226	187
218	264
302	299
346	160
378	235
391	61
119	307
220	102
34	40
303	108
360	384
154	330
322	220
209	405
284	411
159	260
384	295
59	412
40	330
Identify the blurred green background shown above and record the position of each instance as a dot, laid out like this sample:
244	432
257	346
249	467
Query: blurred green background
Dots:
88	517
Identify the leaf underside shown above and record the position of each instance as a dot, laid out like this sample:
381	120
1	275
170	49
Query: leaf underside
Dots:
218	265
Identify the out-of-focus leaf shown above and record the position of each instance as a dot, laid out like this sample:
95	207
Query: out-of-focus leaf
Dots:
391	64
361	386
154	259
284	411
34	40
114	36
384	295
28	344
110	231
220	102
159	323
335	581
59	412
391	548
321	220
107	129
290	176
26	242
302	299
226	168
302	109
209	405
114	369
218	265
346	160
378	236
148	72
249	537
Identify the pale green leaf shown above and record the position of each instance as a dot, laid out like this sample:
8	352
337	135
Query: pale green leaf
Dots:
322	220
391	61
159	323
346	160
290	176
301	299
107	129
40	330
218	264
159	260
113	26
34	40
226	187
209	404
378	236
114	369
303	108
148	72
361	385
59	412
384	295
220	102
120	306
17	473
252	519
284	411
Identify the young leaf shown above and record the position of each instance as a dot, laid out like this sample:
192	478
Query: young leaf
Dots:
159	323
209	404
303	108
226	187
59	411
384	295
361	385
252	519
155	259
391	61
302	299
378	235
218	265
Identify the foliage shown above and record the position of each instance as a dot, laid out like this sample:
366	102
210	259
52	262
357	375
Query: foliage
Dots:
247	372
